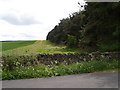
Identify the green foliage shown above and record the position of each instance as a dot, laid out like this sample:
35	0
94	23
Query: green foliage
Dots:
72	41
99	22
109	47
11	62
46	71
68	26
7	45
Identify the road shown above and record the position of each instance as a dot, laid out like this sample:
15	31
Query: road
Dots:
90	80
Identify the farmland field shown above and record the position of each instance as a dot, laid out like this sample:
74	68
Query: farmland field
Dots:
7	45
33	47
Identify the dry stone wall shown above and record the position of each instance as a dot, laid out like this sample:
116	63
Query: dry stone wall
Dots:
9	62
76	57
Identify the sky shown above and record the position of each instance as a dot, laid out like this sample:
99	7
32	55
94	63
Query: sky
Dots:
33	19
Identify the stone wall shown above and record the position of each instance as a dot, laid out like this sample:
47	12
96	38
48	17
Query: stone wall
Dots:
76	57
9	62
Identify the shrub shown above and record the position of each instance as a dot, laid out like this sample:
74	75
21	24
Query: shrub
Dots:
72	41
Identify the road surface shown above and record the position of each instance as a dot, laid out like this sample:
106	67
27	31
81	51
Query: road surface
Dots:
90	80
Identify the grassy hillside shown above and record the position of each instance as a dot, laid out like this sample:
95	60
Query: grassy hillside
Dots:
7	45
32	48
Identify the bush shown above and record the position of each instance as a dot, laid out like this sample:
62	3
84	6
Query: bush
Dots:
72	41
109	47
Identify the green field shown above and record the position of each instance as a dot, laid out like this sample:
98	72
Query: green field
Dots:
7	45
33	48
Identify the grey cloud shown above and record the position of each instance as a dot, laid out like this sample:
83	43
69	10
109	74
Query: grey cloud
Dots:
19	20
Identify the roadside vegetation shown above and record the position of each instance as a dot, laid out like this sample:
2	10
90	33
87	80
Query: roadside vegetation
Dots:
50	71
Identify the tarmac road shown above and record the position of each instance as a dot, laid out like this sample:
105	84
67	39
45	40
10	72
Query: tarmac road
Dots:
90	80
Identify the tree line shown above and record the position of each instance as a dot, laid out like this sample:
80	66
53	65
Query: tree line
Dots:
96	28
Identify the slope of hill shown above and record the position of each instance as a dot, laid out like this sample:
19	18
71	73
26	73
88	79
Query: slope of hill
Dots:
40	46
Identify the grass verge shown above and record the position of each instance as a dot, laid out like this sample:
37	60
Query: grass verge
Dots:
46	71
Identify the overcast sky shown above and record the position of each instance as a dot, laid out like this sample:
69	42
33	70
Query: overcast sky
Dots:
32	19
